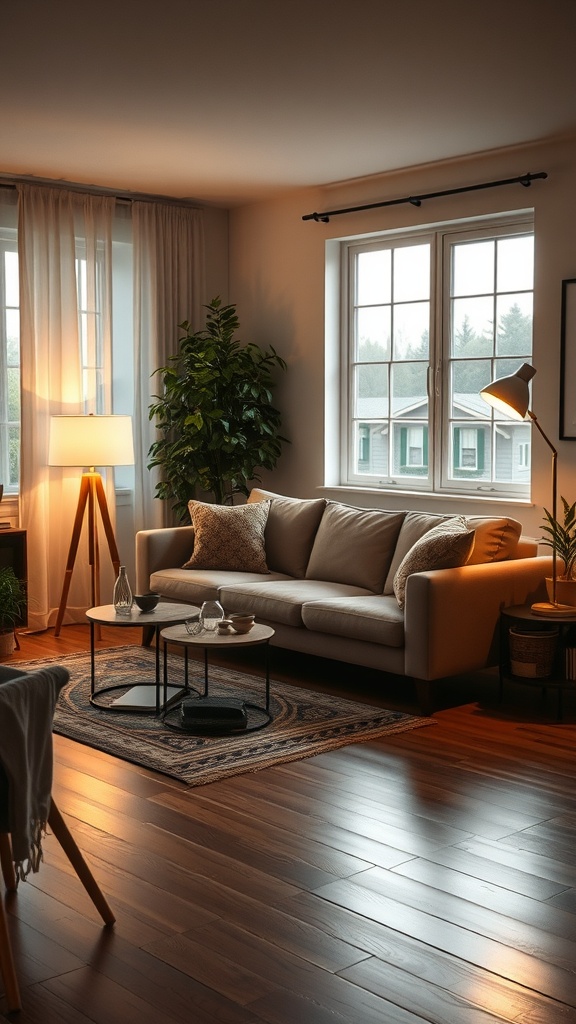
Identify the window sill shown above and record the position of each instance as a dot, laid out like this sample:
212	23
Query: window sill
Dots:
346	492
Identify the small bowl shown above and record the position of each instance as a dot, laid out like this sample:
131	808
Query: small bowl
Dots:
146	602
242	623
224	626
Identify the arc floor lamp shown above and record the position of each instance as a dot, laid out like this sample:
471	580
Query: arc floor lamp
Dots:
90	440
511	395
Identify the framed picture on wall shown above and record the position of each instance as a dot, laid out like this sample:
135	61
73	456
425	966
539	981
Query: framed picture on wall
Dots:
568	362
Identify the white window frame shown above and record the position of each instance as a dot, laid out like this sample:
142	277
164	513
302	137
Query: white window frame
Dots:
441	477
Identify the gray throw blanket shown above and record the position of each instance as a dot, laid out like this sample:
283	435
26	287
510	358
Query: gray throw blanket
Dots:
27	702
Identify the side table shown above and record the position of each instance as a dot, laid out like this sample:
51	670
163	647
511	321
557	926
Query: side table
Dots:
259	634
523	617
138	697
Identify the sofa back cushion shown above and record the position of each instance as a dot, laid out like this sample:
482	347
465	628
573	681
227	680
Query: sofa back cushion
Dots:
290	530
354	546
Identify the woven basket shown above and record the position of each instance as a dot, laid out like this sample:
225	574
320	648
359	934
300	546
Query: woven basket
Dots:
532	652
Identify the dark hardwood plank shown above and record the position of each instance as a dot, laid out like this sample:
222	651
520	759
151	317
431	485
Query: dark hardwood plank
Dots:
427	876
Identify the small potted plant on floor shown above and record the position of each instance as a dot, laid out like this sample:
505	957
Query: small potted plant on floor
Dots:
12	605
561	534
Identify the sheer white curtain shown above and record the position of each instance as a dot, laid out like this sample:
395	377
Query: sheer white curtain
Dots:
54	226
168	289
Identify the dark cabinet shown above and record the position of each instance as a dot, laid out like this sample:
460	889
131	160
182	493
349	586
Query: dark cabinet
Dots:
13	553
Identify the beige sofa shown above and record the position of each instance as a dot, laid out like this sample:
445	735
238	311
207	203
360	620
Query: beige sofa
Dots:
346	583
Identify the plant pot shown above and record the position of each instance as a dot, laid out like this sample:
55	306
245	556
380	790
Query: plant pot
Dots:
6	643
565	591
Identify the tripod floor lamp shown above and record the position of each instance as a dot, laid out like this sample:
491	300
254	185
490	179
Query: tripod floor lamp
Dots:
511	396
90	441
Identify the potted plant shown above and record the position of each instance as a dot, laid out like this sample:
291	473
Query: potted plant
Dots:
12	604
561	533
215	416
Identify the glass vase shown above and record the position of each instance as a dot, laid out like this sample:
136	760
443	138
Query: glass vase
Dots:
211	613
122	598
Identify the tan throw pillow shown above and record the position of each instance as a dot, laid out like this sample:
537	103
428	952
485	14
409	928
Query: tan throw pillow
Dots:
228	536
443	547
496	539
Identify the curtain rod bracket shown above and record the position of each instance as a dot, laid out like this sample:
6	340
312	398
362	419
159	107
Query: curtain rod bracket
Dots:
523	179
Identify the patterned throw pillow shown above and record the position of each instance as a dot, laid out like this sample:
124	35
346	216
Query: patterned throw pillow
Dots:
228	536
444	547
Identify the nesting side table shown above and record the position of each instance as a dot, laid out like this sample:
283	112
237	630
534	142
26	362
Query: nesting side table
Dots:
259	634
145	696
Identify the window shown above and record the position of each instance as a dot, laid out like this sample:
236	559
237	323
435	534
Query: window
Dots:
430	319
90	328
90	336
9	362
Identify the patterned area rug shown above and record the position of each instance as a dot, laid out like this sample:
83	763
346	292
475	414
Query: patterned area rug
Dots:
304	722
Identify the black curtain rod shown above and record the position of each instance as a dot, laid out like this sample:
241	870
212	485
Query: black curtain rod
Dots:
524	179
11	181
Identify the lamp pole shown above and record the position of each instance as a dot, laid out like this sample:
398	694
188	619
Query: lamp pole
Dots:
554	500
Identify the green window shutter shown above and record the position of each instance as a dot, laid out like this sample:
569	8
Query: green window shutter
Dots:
425	446
403	445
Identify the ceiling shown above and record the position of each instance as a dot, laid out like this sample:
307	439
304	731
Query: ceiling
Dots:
231	101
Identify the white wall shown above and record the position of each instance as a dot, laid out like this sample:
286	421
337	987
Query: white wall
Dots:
277	280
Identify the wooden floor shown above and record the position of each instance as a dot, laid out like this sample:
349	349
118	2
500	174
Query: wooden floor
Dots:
430	876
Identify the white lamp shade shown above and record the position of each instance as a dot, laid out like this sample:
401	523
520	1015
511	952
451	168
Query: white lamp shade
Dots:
510	395
91	441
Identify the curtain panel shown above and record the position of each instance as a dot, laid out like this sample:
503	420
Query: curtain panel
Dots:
71	362
54	225
169	288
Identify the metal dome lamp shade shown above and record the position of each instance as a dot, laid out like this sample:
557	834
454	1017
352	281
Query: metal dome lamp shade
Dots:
511	396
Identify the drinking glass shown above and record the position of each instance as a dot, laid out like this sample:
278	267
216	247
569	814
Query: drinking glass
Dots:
211	613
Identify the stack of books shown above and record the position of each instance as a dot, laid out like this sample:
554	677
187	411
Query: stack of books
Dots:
571	663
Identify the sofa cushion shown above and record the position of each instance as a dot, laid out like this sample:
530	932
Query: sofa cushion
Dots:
282	600
193	586
228	537
290	530
496	538
354	546
443	547
375	618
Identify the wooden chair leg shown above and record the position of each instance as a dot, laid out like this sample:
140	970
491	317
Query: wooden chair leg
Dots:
7	862
7	968
68	844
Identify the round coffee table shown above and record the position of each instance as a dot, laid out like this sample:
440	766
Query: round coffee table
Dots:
207	641
138	697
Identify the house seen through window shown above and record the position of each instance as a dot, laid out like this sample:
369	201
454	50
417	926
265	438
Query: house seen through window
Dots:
431	319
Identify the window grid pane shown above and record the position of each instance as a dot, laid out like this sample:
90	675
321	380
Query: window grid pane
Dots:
388	371
490	337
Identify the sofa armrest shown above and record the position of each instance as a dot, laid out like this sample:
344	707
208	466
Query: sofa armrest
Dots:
166	548
452	616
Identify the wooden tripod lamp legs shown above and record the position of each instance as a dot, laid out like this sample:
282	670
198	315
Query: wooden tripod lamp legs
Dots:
92	493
